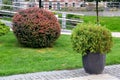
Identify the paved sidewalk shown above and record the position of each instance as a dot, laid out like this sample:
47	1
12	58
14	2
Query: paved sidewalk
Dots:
68	32
63	74
94	77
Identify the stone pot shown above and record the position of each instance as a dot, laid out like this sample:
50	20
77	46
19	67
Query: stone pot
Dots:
94	63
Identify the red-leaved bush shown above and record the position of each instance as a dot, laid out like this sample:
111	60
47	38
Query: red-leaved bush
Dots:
35	27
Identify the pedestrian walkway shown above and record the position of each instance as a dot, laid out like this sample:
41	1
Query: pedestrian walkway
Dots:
95	77
68	32
113	70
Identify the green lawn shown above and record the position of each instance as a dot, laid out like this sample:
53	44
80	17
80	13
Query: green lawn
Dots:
111	23
15	59
6	18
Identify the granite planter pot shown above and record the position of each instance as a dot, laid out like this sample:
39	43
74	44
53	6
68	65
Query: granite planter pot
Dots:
94	63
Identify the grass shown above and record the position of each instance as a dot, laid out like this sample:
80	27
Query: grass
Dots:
111	23
15	59
6	18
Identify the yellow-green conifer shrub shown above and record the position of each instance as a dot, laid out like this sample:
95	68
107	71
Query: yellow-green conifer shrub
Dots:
91	38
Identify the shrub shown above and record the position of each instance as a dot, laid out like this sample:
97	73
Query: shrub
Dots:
35	27
92	38
73	16
7	2
3	29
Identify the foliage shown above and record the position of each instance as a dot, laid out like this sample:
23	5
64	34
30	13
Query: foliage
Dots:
35	27
3	29
7	2
73	16
91	38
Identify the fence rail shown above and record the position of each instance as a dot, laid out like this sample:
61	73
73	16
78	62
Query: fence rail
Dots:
63	18
113	4
10	5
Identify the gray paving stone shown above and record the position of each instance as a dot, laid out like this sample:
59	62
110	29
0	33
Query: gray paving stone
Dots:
113	70
94	77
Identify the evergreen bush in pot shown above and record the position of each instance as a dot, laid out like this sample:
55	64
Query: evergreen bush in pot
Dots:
93	42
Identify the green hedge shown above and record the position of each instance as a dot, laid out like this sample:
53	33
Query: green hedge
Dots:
3	29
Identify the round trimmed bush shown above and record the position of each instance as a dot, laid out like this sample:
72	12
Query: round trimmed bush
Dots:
35	27
3	29
91	38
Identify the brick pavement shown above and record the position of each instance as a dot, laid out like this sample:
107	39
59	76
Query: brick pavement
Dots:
113	70
94	77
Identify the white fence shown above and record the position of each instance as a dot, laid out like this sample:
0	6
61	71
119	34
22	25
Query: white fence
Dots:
63	19
113	4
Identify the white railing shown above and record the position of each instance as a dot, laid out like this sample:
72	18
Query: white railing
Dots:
8	12
113	4
9	5
63	18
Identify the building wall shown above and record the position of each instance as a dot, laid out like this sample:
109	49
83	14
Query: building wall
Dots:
58	4
18	0
51	4
0	1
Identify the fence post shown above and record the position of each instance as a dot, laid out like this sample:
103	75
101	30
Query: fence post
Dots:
63	20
